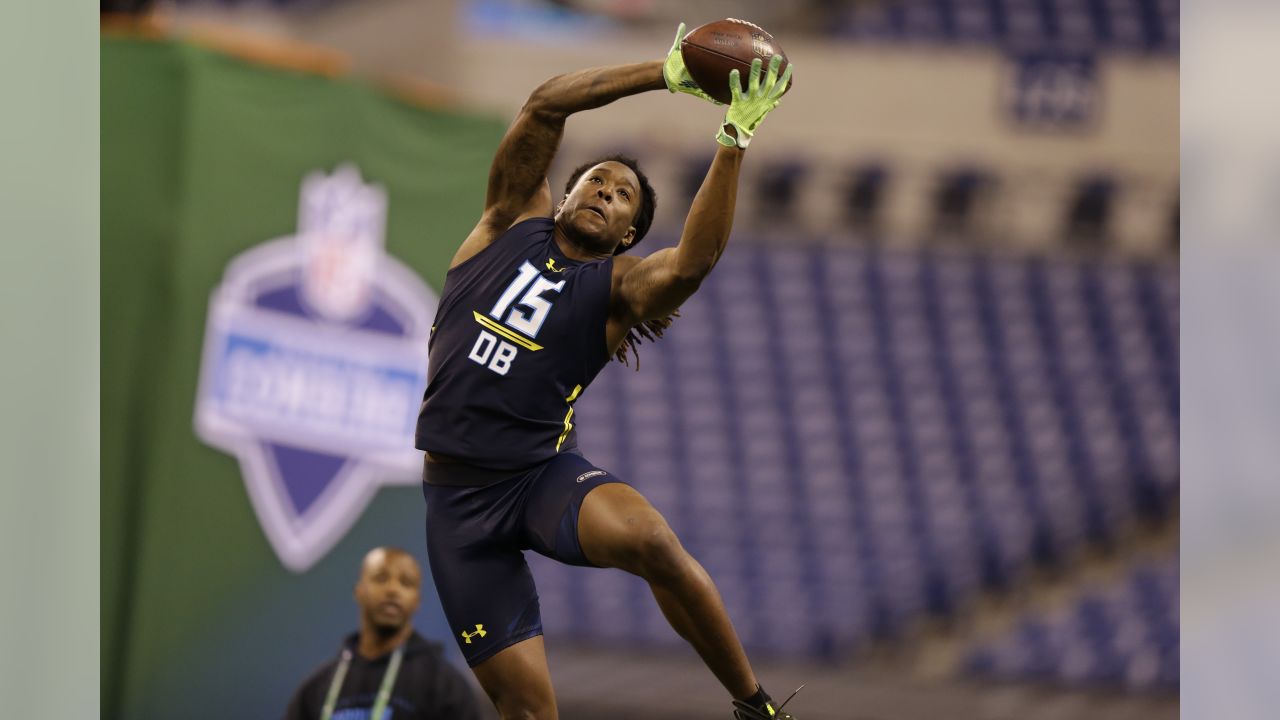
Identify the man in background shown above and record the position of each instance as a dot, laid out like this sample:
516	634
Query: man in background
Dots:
386	670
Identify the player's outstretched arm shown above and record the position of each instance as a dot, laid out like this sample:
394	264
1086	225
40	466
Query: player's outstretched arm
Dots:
518	186
657	285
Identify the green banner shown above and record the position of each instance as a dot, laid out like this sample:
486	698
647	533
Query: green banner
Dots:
271	244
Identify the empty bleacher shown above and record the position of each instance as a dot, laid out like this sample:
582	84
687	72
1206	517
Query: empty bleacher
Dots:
851	440
1124	635
1148	26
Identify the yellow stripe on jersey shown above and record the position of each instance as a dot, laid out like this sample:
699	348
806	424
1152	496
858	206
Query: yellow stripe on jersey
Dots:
511	335
568	425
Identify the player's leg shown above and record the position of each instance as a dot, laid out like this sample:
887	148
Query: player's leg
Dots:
582	515
618	528
488	595
518	681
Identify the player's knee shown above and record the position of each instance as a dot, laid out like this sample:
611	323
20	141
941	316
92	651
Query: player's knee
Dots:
658	552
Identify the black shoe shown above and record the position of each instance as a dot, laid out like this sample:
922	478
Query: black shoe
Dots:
770	711
743	711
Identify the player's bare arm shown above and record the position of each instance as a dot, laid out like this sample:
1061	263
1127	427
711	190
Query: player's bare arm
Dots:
518	187
655	286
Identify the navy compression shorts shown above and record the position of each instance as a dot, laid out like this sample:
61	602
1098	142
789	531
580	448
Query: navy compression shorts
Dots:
477	535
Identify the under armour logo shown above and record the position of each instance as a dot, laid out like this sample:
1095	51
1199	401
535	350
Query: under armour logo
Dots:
551	265
480	632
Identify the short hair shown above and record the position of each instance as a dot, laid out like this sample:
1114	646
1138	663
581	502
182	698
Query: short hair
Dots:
649	198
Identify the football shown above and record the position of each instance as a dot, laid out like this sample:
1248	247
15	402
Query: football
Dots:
710	51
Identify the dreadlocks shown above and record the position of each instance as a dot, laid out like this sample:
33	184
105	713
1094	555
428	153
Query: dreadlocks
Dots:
650	330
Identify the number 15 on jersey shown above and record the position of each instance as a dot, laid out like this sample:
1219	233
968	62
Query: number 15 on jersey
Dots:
497	345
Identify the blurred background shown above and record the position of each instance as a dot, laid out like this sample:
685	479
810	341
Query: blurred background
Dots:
921	423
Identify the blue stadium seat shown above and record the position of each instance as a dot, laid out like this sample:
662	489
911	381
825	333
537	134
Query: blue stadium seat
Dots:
1149	26
1121	635
891	433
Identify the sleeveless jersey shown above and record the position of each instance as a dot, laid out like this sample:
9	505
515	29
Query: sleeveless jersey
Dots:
519	334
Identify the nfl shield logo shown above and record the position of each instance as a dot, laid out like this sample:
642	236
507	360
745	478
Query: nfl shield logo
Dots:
314	366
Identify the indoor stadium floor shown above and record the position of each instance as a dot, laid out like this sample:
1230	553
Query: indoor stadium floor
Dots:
584	678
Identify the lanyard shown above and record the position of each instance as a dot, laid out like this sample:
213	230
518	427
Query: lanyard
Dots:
384	692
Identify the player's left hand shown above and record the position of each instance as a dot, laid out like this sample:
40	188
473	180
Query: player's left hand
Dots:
677	76
748	109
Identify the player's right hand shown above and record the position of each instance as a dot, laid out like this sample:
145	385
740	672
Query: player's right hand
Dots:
677	75
746	111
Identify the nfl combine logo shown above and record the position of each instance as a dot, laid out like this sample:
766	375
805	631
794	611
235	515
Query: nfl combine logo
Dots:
314	365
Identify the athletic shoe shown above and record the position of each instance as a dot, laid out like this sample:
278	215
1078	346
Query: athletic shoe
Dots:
743	711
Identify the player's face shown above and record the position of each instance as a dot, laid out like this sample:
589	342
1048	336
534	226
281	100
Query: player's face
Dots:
388	591
600	208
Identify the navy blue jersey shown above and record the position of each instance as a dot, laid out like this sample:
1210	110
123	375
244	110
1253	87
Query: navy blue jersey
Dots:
519	334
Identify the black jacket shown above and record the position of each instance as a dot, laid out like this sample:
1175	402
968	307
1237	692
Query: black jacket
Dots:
427	687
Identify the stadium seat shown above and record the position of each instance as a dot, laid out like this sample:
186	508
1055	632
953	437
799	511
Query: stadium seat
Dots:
895	432
1149	26
1121	635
